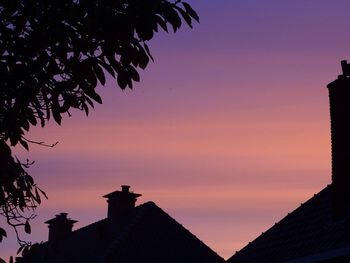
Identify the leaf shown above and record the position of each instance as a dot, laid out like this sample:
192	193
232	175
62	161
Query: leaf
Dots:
56	112
24	144
37	196
91	79
144	31
22	203
185	16
20	249
42	120
173	18
44	194
90	91
107	67
14	138
2	261
27	227
11	260
89	101
2	233
30	116
143	59
85	108
95	97
190	11
122	80
100	74
162	23
25	250
147	51
133	73
29	178
114	63
25	124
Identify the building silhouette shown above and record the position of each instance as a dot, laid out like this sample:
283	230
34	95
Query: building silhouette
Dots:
318	230
129	234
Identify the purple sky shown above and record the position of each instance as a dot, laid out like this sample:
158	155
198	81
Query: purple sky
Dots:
227	131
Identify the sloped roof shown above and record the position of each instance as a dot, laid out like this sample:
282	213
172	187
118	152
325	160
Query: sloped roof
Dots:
148	234
308	230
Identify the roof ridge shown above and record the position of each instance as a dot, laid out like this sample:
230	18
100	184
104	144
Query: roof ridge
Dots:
188	232
92	224
281	221
303	204
114	244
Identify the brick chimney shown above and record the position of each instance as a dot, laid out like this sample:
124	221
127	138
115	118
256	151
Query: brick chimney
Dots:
120	203
60	227
339	97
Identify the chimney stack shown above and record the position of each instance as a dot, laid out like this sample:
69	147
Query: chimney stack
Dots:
120	203
60	227
339	97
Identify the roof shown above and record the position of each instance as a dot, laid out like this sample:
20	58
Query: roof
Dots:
308	231
147	234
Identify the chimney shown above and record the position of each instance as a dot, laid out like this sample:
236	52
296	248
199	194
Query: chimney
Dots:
60	227
339	97
120	203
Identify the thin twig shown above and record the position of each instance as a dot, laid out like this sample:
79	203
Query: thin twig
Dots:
40	143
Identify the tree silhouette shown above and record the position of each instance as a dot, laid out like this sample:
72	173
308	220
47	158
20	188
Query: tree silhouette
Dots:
53	54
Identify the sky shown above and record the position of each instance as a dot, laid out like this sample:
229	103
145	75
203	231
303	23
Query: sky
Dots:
227	131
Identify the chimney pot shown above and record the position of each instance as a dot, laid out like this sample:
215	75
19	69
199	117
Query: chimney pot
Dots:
120	203
125	188
344	67
60	227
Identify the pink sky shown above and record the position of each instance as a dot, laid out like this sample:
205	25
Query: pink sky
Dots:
228	130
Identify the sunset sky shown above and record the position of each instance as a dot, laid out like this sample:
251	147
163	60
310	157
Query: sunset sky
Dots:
227	131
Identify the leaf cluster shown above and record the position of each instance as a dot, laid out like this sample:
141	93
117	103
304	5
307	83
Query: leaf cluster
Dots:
53	55
19	195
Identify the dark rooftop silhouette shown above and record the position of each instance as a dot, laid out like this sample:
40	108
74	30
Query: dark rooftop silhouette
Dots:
319	230
143	233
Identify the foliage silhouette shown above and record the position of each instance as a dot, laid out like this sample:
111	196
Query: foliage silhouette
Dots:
53	54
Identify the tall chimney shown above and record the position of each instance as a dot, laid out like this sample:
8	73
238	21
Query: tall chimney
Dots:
339	97
60	227
120	203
